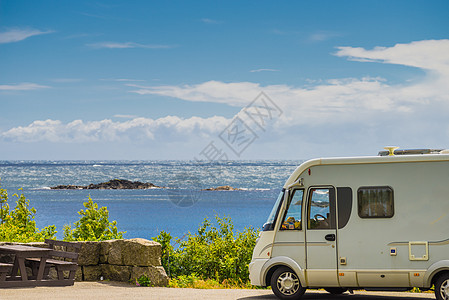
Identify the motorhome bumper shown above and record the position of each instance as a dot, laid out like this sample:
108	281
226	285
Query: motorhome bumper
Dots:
255	271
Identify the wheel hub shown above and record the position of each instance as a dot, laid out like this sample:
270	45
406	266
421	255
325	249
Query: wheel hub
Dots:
444	290
288	283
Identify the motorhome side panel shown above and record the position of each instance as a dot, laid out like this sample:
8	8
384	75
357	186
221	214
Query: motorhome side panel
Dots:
394	250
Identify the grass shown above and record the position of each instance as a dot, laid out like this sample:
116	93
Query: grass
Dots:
193	281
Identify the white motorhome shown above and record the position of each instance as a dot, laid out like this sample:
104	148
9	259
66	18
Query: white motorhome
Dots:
374	223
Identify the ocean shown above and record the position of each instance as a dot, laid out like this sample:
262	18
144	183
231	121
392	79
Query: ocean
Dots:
178	209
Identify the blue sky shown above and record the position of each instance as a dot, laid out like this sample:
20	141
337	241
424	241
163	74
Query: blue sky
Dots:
163	80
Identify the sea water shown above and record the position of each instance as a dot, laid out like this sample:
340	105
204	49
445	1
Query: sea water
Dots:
178	208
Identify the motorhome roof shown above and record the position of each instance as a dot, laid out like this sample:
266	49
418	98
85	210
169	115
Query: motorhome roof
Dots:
363	160
411	152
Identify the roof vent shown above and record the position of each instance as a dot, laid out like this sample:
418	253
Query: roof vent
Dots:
393	151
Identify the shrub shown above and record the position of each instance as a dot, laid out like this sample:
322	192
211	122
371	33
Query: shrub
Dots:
211	253
144	281
93	225
18	225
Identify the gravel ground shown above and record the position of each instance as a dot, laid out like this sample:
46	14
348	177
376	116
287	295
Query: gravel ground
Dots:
120	291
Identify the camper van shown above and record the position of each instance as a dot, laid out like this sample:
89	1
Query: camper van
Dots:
374	223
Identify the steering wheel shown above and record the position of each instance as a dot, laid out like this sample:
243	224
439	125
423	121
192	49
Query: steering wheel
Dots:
318	215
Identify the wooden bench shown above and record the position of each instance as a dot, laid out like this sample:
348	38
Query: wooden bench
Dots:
63	257
4	270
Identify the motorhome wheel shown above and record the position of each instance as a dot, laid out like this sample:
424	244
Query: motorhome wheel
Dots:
442	287
285	284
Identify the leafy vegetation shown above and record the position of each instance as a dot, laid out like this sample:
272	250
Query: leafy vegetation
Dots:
213	257
144	281
18	225
213	253
195	282
93	225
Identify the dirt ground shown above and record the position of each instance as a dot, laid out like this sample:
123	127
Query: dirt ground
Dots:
120	291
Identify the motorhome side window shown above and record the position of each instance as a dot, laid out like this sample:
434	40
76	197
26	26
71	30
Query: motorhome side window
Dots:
321	209
375	202
292	217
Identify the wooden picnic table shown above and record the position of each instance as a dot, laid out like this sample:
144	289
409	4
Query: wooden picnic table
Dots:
22	252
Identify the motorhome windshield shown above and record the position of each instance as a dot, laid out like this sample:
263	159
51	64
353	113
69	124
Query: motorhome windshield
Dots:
269	225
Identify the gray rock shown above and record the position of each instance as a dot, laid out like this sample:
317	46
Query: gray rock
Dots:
115	184
113	250
92	273
222	188
89	254
141	252
157	275
116	273
79	274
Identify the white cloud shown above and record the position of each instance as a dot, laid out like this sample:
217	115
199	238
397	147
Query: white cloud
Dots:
236	94
340	100
331	115
127	45
137	129
429	55
264	70
17	34
25	86
125	116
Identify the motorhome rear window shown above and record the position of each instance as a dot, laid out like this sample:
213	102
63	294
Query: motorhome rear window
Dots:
375	202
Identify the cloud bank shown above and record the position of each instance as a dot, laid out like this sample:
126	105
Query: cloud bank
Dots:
137	129
17	34
339	100
334	111
25	86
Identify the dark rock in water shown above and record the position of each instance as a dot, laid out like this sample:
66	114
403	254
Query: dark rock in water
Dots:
68	187
115	184
222	188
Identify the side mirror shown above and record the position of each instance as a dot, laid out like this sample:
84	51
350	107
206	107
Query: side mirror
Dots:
299	182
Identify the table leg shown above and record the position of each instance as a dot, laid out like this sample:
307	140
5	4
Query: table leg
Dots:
15	267
23	270
40	272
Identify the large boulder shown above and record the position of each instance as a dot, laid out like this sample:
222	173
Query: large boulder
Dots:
111	252
133	252
141	252
116	273
157	275
89	254
92	273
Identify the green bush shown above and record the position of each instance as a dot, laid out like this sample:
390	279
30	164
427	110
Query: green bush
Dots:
144	281
211	253
18	225
93	225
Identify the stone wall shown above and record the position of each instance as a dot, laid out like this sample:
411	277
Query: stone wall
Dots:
119	260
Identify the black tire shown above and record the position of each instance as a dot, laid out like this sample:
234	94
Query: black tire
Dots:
335	290
285	284
442	287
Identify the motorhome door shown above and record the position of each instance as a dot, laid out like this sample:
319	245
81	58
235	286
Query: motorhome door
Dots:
321	235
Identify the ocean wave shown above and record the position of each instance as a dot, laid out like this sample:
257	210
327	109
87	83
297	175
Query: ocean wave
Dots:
41	188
